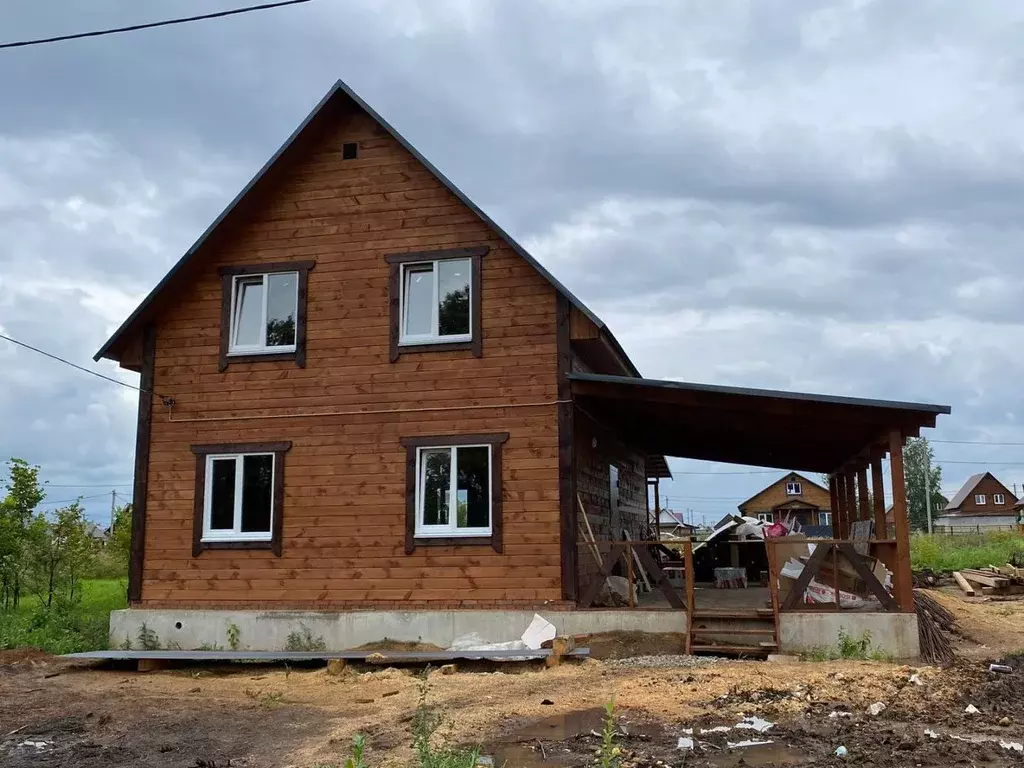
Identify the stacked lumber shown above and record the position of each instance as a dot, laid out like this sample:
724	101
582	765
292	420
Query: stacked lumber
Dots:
1002	580
933	624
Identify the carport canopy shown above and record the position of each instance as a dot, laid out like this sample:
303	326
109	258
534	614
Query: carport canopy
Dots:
758	427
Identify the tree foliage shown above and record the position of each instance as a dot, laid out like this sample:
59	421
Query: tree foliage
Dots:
919	462
24	493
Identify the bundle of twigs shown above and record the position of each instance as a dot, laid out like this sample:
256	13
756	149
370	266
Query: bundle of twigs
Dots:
933	621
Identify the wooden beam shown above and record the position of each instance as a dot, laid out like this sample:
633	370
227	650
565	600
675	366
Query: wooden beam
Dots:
657	509
864	513
963	584
851	499
594	589
904	588
657	576
569	524
878	494
810	570
842	526
867	577
833	493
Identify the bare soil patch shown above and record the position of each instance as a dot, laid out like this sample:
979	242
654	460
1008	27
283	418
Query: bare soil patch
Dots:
273	716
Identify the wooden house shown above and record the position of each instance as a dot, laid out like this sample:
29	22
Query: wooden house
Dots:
359	392
982	502
793	496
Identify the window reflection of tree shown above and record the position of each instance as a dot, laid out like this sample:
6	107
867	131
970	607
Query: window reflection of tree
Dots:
437	476
453	312
281	333
473	488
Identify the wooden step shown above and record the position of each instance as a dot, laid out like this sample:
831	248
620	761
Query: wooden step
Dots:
757	615
768	644
727	631
730	650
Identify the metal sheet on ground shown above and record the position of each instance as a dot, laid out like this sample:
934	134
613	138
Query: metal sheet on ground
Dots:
378	656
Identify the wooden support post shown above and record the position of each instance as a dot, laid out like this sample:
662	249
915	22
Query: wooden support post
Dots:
657	510
842	528
851	500
629	575
833	492
878	493
688	573
864	513
903	587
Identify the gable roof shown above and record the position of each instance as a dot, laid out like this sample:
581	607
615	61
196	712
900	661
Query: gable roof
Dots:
968	487
784	478
340	88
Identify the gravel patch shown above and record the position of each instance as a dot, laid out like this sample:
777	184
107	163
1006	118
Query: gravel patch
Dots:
668	661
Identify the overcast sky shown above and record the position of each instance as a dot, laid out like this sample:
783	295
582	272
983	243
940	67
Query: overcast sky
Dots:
818	196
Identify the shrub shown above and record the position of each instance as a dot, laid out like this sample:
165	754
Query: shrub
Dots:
304	641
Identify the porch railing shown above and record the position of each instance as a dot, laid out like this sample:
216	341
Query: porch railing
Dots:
798	595
637	559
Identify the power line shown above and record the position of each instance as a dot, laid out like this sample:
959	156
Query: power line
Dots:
87	485
974	442
150	25
73	365
69	501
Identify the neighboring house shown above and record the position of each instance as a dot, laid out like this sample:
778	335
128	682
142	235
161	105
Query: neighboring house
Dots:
792	495
97	533
981	501
672	523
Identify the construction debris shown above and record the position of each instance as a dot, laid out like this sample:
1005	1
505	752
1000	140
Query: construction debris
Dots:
963	584
1002	580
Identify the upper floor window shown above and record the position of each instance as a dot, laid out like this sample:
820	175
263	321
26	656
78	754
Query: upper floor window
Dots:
264	310
979	499
436	301
794	488
998	498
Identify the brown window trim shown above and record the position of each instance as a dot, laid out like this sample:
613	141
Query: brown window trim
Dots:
277	525
495	440
395	262
227	276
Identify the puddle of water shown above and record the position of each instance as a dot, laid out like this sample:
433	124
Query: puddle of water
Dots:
761	755
522	756
561	727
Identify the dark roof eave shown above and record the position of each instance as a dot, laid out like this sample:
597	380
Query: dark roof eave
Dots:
344	88
765	393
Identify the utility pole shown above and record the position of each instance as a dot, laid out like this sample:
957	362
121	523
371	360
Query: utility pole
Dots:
928	490
113	508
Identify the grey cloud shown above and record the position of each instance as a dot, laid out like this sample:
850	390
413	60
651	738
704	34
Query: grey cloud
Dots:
795	178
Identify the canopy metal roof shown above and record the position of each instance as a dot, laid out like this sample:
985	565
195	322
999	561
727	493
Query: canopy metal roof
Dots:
759	427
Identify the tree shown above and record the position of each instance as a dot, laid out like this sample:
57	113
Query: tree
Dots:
16	513
918	458
60	553
119	544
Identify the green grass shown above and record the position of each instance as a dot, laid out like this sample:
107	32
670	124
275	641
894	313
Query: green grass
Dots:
953	553
81	628
848	647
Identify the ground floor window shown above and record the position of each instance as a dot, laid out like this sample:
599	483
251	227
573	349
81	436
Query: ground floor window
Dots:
824	518
239	496
453	490
766	517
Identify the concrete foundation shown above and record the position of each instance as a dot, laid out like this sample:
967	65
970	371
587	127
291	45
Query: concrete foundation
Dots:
891	633
269	630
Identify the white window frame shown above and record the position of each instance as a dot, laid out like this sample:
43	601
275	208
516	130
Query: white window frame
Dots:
794	488
451	529
766	517
998	498
261	348
236	533
411	340
824	518
980	500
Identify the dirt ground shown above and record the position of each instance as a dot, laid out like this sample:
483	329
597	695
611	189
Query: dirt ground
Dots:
53	713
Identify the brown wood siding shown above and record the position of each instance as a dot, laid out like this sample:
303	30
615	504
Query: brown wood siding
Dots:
344	527
989	486
775	494
592	484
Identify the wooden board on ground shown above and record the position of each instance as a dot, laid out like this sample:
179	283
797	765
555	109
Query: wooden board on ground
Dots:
963	584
